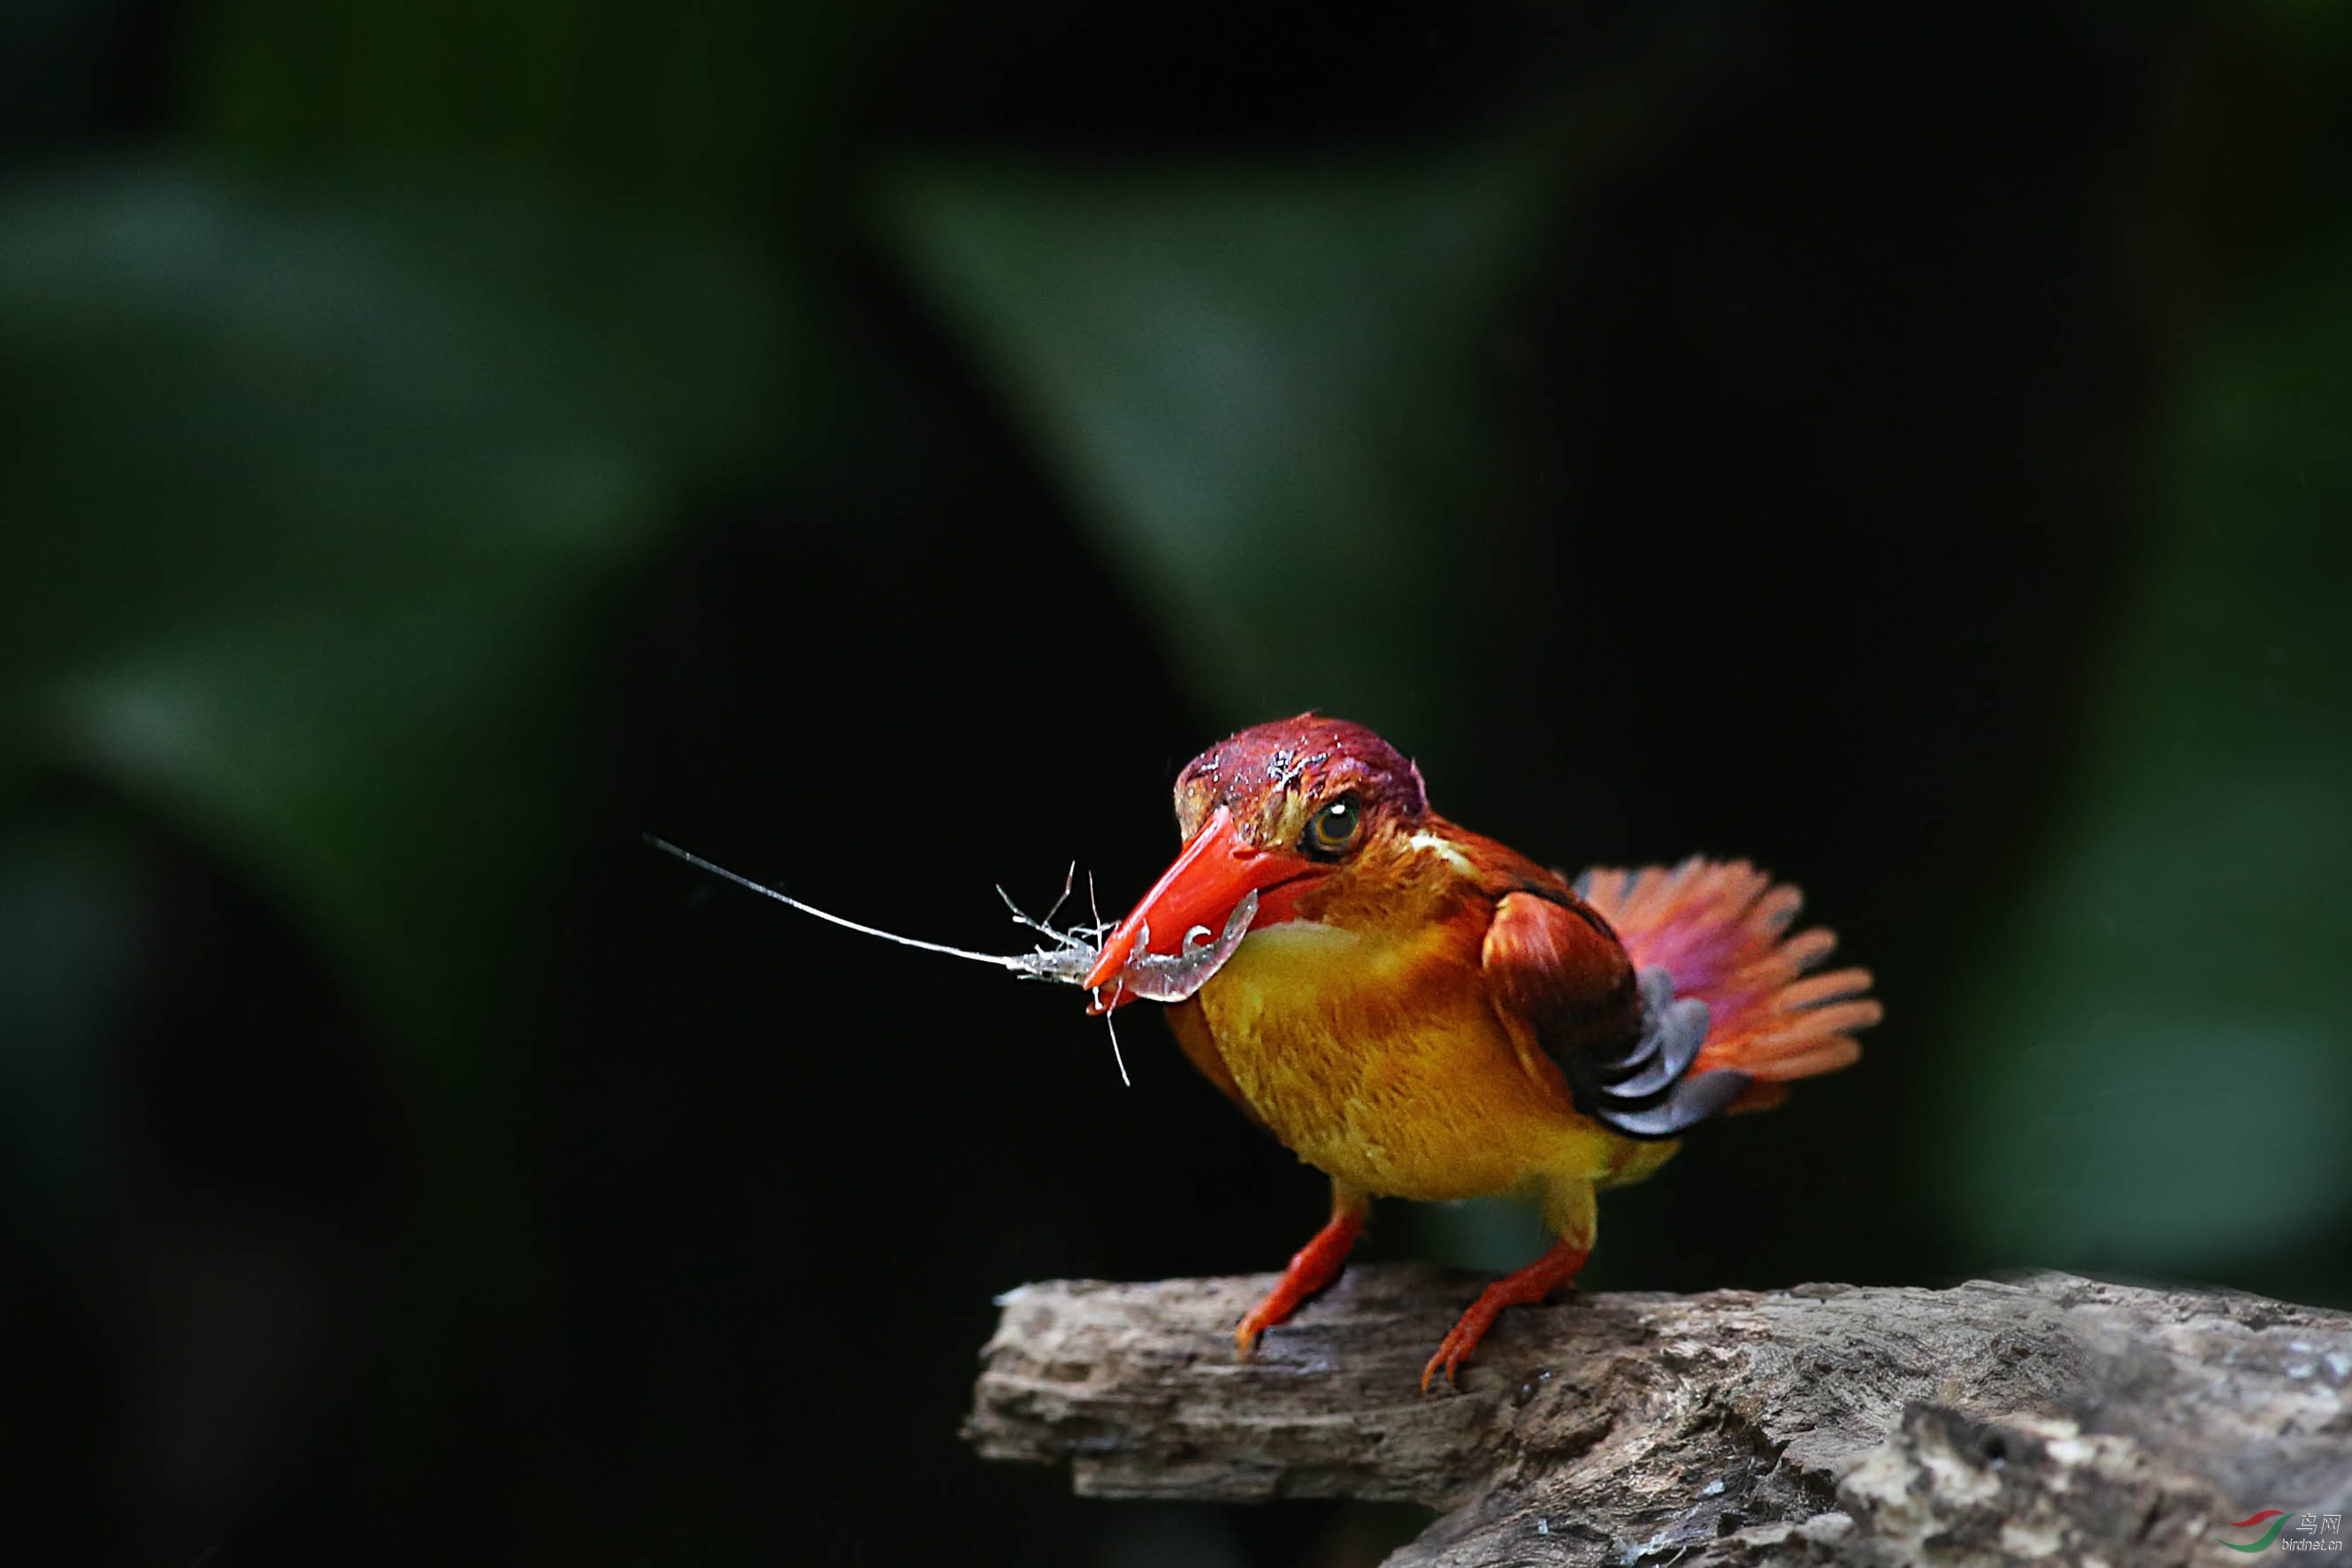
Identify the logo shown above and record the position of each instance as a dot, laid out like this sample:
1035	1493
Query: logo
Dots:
2300	1532
2277	1516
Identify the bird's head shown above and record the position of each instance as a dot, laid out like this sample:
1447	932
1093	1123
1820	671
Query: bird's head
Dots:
1300	811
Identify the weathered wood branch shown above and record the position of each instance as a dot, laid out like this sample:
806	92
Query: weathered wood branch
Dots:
2054	1420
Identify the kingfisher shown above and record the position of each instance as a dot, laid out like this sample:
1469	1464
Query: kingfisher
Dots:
1418	1011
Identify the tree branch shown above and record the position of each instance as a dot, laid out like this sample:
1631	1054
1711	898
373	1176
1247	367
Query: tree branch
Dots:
2057	1419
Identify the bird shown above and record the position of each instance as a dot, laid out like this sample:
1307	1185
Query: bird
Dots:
1421	1012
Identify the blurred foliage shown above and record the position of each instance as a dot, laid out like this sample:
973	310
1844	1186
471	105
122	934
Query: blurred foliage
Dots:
2168	1020
1260	386
497	403
875	445
701	103
325	492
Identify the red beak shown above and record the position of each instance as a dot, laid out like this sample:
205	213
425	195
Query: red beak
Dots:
1213	873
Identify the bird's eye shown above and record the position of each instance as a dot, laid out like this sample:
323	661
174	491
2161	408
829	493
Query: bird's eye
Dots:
1332	831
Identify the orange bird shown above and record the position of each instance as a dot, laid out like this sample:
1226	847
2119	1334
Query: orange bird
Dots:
1419	1012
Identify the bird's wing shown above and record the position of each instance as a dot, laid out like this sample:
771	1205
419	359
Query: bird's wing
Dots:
1564	987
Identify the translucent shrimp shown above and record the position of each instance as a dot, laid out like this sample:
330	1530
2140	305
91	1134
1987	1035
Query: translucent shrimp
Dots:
1067	953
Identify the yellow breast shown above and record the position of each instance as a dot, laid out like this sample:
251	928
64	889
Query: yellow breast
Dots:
1379	1061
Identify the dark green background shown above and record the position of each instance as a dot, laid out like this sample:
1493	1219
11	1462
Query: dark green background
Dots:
875	445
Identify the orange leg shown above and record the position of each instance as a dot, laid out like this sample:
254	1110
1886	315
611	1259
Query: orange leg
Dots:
1312	1267
1552	1271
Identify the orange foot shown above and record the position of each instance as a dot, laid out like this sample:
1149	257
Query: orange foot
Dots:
1552	1271
1313	1266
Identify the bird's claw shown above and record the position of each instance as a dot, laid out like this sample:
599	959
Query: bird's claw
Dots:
1556	1270
1276	1308
1313	1266
1454	1349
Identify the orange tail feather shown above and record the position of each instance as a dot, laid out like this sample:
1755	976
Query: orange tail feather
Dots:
1718	926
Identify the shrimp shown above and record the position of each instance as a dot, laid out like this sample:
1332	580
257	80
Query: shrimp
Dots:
1066	955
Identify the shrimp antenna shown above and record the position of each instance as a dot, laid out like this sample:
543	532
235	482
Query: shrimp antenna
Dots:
1110	1022
1017	964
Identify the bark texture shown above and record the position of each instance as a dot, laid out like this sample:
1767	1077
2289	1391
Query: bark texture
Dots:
2052	1420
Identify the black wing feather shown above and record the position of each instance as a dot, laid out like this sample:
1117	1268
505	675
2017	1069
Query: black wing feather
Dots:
1623	1043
